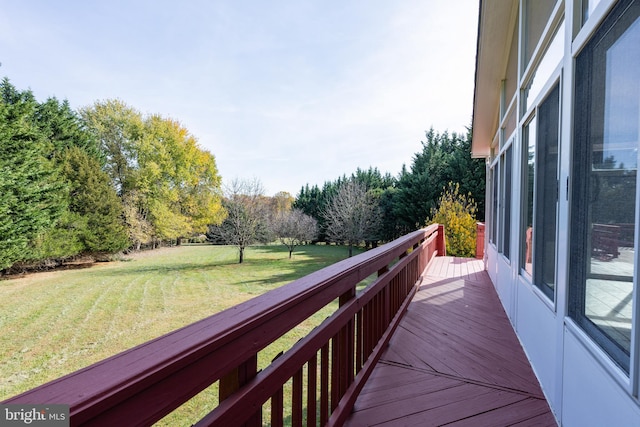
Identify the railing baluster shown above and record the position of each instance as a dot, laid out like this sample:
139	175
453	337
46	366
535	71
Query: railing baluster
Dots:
359	340
335	371
312	390
324	384
277	405
296	400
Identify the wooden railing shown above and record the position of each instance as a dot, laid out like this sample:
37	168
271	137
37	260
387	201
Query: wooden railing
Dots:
142	385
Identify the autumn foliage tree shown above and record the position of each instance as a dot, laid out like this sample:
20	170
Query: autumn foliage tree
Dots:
169	187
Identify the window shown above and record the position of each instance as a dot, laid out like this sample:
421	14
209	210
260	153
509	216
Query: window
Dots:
540	194
544	70
511	75
500	175
604	194
494	205
504	246
537	13
587	9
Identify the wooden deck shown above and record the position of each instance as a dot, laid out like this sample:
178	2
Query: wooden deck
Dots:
454	360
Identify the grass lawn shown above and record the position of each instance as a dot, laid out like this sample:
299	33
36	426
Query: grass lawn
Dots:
57	322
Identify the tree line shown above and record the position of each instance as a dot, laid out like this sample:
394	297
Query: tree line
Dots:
107	178
443	184
96	181
399	205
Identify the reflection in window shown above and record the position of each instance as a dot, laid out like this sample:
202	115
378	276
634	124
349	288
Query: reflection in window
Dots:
607	131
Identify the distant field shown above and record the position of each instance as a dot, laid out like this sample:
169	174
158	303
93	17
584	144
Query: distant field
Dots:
54	323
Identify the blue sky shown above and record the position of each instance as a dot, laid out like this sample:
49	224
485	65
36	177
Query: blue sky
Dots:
289	92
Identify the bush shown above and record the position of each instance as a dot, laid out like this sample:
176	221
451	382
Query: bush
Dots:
457	213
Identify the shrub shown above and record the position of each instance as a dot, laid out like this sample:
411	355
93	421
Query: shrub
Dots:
457	212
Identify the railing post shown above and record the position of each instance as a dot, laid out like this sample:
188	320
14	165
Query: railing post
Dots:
480	240
441	241
235	379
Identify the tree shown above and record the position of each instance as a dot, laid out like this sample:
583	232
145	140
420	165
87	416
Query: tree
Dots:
444	158
245	223
93	223
456	212
95	202
118	129
352	215
31	192
294	227
168	185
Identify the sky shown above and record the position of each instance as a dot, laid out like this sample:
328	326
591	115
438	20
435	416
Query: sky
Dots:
290	92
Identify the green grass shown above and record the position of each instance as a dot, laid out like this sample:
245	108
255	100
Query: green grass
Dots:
57	322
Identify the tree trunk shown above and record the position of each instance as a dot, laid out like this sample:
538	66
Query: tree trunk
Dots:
241	255
350	251
290	252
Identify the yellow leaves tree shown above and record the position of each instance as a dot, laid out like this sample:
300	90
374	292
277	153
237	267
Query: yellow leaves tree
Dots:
168	185
182	179
457	212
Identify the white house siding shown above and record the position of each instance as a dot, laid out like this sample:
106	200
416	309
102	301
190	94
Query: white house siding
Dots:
583	384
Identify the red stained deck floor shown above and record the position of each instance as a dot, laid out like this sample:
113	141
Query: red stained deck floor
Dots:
454	360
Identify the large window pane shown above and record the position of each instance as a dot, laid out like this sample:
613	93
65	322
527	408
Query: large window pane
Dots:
607	138
546	193
550	60
537	13
494	205
526	237
540	194
505	203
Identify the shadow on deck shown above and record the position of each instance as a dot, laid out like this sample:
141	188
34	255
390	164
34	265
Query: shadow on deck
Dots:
454	360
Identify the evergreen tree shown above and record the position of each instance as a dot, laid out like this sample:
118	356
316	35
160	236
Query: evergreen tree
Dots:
31	191
95	204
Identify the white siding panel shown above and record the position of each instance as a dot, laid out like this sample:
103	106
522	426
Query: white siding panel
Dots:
537	330
591	397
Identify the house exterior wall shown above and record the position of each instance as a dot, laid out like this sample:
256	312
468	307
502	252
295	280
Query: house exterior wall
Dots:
528	136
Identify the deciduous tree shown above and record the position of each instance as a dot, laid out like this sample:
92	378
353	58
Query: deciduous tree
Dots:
246	215
352	215
294	228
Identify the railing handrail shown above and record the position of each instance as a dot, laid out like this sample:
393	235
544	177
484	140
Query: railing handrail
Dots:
145	383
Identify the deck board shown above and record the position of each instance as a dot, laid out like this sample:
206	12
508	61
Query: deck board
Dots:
454	360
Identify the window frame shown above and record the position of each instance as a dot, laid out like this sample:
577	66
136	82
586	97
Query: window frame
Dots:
549	293
581	174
